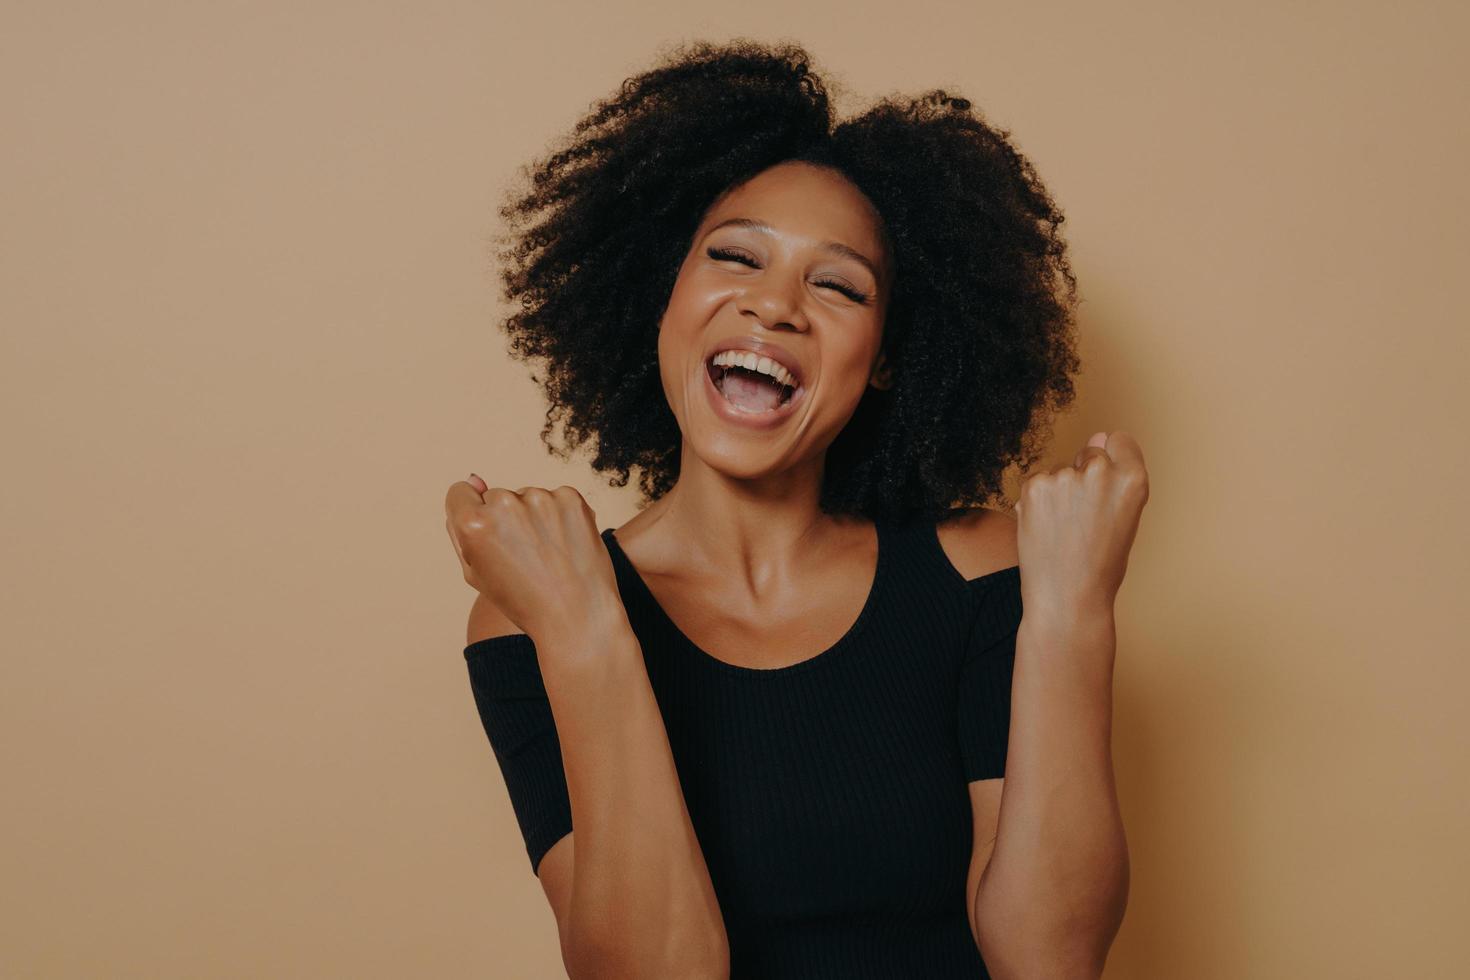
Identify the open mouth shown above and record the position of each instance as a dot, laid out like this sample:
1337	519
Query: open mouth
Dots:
749	389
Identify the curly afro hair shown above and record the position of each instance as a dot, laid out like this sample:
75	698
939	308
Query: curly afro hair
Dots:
979	327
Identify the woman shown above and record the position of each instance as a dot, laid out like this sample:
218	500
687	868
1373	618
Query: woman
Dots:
792	707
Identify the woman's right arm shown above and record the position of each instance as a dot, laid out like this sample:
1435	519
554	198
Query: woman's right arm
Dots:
630	887
641	901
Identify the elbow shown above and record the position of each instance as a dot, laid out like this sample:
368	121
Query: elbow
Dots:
615	957
600	967
1058	961
1073	946
1072	957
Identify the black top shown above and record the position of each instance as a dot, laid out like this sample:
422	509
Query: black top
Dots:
829	797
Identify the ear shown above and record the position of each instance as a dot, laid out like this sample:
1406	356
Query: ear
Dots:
882	377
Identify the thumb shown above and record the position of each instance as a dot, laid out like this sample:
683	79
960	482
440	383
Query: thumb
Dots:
1096	446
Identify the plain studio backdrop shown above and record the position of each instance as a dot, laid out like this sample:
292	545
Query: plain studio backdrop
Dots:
250	336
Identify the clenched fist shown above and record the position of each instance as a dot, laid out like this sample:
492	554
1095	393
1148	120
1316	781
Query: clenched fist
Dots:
537	555
1076	525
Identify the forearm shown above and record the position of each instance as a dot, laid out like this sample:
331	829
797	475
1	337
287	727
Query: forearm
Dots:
642	901
1052	898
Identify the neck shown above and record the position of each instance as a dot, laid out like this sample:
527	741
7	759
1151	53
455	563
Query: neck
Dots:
748	530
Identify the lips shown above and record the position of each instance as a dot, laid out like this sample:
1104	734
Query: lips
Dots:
732	414
761	348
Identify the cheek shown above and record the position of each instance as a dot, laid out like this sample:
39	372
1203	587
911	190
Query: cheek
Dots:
678	339
670	349
696	296
689	304
677	329
854	360
848	367
691	308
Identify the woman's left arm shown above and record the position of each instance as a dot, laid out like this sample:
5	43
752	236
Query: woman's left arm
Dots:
1052	897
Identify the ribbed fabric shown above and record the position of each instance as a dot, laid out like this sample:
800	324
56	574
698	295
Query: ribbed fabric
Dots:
829	797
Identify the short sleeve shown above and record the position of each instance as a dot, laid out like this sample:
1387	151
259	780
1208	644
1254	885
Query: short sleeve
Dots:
988	663
505	679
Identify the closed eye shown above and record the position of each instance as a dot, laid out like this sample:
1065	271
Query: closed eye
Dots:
844	289
726	255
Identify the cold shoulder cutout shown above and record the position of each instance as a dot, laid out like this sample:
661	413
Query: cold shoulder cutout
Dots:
830	798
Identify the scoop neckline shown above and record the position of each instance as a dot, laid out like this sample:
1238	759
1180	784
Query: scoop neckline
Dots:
853	631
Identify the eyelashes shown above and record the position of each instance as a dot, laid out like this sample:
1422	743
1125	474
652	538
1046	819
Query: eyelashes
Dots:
728	256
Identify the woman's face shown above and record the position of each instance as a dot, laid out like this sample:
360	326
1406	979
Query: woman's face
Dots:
787	273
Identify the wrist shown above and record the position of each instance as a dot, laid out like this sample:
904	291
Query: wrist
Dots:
1067	614
599	634
1075	639
575	616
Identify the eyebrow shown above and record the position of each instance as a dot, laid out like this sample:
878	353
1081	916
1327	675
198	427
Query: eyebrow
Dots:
836	248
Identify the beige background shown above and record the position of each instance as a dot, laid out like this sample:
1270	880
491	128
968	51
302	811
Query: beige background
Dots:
249	339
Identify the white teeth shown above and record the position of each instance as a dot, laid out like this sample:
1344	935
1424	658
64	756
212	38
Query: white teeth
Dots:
754	362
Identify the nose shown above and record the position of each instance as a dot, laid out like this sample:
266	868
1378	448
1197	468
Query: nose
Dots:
775	304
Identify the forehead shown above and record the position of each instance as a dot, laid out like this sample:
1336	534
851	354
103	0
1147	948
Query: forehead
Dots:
806	202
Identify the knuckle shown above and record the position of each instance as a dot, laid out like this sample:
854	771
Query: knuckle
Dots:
499	499
467	523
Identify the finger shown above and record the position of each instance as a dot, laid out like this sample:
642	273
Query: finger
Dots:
1024	490
478	483
465	571
454	541
575	511
1042	473
461	498
1088	453
1098	440
1122	446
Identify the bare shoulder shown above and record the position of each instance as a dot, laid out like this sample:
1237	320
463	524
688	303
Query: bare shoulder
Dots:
486	620
979	540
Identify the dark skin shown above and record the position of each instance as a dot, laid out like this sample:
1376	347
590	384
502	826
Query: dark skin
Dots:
738	553
740	556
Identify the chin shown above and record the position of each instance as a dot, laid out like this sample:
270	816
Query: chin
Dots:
738	462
